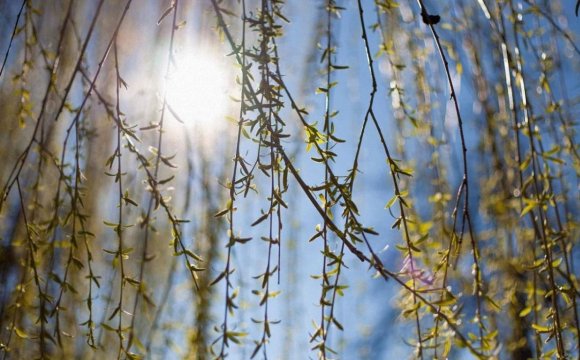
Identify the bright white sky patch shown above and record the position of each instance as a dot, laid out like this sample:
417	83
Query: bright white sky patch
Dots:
197	88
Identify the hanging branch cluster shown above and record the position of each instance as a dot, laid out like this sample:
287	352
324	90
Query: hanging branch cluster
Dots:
443	302
44	234
464	124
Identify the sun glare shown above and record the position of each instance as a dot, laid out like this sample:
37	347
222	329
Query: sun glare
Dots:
197	89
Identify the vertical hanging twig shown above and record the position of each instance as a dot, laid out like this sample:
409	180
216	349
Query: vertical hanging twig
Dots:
431	20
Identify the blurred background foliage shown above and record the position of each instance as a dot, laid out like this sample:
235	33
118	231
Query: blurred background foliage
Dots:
321	179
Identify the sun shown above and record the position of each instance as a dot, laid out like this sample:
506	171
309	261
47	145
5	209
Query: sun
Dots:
198	88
